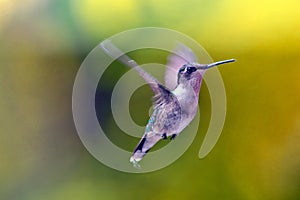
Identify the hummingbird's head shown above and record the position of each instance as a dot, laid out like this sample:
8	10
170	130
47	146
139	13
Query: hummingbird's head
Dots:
189	72
192	72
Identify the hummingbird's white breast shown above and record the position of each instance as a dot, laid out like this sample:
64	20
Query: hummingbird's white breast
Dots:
188	101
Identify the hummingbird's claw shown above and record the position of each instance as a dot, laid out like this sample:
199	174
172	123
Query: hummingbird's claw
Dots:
164	136
173	137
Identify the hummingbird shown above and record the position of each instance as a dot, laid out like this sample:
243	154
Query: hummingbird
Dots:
175	103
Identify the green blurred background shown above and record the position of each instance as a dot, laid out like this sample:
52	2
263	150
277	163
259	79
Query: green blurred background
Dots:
43	43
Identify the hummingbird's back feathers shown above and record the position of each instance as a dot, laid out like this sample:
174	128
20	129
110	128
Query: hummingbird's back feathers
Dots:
163	96
182	55
166	115
163	122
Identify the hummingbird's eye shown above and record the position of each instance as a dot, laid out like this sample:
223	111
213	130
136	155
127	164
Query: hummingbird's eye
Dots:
191	69
181	69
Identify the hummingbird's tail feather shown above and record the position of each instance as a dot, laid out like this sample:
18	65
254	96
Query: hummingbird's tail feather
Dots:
144	146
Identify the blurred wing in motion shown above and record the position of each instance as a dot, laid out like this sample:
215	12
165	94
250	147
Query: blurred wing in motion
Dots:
162	94
181	56
116	53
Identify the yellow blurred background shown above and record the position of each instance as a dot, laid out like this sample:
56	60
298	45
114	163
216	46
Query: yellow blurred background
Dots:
43	43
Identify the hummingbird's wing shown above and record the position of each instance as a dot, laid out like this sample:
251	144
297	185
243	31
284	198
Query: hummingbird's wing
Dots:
163	98
116	53
182	55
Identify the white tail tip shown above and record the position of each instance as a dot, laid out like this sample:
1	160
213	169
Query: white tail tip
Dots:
135	162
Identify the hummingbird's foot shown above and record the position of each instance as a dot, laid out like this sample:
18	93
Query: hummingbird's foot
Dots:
173	136
164	136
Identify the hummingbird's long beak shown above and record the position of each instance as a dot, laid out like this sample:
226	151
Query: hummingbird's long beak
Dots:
207	66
